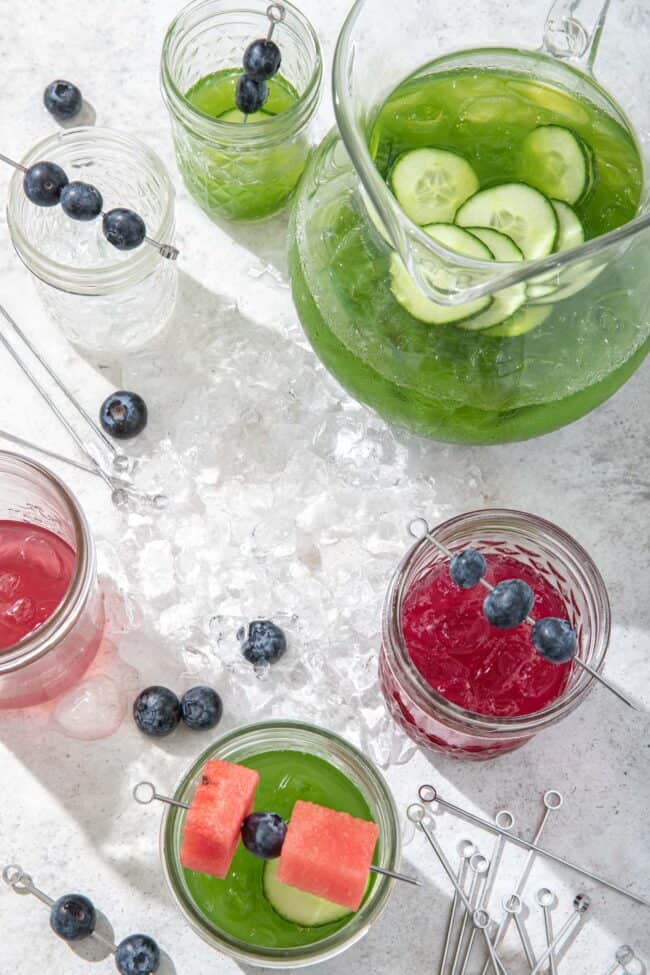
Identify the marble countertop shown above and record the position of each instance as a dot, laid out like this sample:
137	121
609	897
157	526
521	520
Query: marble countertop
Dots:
67	815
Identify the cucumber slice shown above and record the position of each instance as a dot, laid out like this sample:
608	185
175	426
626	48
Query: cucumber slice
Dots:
234	115
430	184
517	210
295	905
524	320
411	298
572	283
558	162
502	246
571	234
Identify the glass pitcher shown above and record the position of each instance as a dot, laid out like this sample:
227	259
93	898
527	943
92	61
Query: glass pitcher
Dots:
576	321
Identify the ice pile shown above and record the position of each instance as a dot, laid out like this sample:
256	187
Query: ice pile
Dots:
287	501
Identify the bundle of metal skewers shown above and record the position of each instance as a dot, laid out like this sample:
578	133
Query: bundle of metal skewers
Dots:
101	458
477	929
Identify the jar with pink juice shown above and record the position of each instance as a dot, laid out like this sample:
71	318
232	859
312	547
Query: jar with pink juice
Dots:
459	686
51	608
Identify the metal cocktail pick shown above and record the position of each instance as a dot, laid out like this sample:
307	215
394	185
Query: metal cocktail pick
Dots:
467	851
581	905
21	883
417	814
552	800
276	14
168	251
512	905
546	898
121	490
149	795
425	532
624	957
479	865
429	794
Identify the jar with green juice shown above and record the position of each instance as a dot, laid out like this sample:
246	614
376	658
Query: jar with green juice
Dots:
237	167
241	914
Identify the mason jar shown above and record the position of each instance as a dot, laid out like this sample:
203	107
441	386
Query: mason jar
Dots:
54	657
271	736
239	171
435	722
106	301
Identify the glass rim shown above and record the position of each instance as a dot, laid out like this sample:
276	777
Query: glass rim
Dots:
110	278
402	228
429	699
254	134
333	744
39	642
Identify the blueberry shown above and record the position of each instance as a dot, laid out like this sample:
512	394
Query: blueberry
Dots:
508	604
137	955
81	201
43	183
62	99
263	834
156	711
123	414
124	229
264	643
201	708
73	917
555	640
467	568
262	60
250	95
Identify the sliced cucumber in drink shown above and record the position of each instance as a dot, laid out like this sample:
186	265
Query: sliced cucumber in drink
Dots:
411	298
503	247
430	184
517	210
524	320
571	234
507	301
558	162
295	905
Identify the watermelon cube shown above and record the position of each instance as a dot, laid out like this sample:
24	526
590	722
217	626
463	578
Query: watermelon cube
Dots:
213	822
328	853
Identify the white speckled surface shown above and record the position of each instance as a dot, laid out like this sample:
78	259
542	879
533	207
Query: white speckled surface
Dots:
66	812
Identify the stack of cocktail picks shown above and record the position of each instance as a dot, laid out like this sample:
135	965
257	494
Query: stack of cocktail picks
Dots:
477	929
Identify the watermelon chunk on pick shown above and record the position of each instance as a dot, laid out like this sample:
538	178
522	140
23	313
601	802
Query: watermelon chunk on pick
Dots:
328	853
213	822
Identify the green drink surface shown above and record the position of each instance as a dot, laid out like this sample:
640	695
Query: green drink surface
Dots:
237	904
439	380
234	177
485	115
214	94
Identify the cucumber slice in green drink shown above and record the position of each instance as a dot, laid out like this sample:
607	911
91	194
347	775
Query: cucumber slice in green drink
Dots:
517	210
502	246
524	320
234	115
558	162
571	234
411	298
505	302
297	906
430	184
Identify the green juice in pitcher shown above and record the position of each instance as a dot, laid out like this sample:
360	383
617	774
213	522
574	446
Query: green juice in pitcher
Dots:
495	165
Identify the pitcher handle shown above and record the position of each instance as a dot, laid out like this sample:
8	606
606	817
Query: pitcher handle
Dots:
567	36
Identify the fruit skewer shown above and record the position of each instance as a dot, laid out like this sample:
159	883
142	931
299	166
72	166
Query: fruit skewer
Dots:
509	603
263	833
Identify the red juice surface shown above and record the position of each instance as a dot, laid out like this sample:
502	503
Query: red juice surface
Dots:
472	664
36	567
